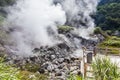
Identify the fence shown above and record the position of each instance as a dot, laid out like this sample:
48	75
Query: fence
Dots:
108	51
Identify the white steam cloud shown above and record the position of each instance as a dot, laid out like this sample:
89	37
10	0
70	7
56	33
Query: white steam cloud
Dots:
79	15
31	20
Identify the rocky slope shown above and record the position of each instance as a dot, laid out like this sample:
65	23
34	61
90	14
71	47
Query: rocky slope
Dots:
59	60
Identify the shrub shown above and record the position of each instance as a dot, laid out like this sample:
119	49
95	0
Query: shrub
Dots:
98	30
111	42
65	29
31	67
104	69
74	77
7	72
109	32
26	75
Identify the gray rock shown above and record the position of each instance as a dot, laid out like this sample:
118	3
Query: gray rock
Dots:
58	74
41	71
50	67
60	60
53	57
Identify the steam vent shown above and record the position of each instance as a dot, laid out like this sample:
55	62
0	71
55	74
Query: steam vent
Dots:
58	39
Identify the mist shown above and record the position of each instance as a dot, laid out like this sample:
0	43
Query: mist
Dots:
31	19
79	15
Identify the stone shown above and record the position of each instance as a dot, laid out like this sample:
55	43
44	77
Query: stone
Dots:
41	71
55	62
56	70
60	60
58	74
50	67
67	60
56	59
53	57
33	58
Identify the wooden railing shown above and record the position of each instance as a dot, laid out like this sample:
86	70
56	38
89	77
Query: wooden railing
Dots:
105	51
108	51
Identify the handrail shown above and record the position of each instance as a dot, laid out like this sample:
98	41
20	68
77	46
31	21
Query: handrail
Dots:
107	51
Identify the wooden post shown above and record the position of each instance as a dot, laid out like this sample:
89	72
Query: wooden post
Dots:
85	69
119	51
106	50
84	49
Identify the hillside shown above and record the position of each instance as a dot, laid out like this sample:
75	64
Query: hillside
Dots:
108	15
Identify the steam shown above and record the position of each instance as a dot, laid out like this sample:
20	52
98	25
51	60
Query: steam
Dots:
32	18
79	15
31	21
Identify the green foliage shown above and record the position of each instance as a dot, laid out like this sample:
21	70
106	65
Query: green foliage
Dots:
31	67
7	72
74	77
26	75
109	32
104	69
108	16
65	28
111	42
98	30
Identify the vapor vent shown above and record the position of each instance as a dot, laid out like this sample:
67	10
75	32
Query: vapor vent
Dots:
31	21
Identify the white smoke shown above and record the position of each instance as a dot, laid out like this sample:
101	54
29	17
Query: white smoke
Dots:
31	20
79	15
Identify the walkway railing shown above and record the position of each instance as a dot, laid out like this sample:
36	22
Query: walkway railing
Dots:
105	51
108	51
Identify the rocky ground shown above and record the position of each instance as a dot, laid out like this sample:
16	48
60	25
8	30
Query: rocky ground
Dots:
59	60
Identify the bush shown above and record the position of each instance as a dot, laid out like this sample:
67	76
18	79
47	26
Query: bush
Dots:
26	75
111	42
98	30
31	67
74	77
104	69
109	32
65	29
7	72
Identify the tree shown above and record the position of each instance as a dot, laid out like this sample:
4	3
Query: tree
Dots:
108	16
